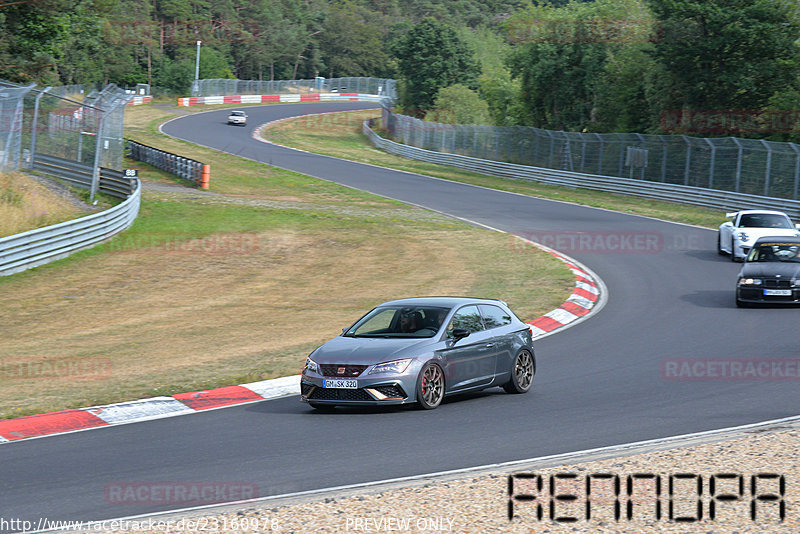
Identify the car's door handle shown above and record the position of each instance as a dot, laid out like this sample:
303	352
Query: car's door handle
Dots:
489	345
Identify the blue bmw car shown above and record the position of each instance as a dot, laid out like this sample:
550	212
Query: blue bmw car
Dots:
421	350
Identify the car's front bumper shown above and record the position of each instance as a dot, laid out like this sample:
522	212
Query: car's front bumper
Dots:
756	295
376	391
740	250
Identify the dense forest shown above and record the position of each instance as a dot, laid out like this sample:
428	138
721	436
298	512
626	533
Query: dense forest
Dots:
730	66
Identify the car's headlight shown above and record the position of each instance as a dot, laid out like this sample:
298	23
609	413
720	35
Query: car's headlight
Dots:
311	366
796	283
750	281
397	366
743	236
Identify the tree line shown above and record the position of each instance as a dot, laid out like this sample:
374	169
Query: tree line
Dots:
710	67
154	41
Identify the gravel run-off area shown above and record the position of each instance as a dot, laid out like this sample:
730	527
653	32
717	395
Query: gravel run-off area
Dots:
478	502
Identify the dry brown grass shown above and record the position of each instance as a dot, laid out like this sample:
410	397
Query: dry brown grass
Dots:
26	204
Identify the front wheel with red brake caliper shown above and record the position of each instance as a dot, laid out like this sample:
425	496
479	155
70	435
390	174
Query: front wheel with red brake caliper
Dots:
430	386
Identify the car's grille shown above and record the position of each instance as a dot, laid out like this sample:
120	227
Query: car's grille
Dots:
392	391
777	284
305	388
340	394
346	370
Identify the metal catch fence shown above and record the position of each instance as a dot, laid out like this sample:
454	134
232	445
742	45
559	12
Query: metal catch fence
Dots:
62	122
748	166
362	85
698	196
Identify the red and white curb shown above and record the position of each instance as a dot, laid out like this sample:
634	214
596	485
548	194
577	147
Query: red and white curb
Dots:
584	298
47	424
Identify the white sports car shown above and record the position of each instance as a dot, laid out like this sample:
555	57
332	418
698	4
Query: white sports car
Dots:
736	236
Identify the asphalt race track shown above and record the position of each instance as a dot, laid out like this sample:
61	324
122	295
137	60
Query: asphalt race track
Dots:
600	383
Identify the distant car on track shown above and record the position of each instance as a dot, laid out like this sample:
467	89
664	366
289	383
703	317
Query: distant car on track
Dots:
737	235
771	272
238	118
421	350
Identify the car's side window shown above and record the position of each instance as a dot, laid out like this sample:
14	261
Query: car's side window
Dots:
467	318
494	316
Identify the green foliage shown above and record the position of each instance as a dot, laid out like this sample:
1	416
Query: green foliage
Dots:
726	54
130	41
352	42
431	56
495	83
175	76
581	66
458	104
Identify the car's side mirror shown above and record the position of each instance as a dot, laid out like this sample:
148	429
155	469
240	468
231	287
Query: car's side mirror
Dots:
459	333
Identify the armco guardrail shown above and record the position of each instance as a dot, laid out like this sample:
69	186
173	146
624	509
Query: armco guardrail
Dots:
112	182
43	245
188	169
709	198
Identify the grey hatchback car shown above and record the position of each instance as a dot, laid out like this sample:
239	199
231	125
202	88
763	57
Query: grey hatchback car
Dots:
421	350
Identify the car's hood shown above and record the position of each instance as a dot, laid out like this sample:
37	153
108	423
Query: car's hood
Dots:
769	269
367	351
755	233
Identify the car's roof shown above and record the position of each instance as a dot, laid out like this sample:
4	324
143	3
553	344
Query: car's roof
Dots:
771	212
789	239
449	302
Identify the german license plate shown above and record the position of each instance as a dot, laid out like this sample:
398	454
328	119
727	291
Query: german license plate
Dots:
777	292
343	384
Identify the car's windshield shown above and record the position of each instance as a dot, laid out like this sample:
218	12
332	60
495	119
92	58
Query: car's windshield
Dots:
764	220
237	113
399	321
774	252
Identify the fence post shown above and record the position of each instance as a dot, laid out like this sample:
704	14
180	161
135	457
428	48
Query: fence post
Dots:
688	165
552	149
621	153
796	169
664	155
643	141
768	170
738	164
600	154
97	151
583	151
713	158
35	124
